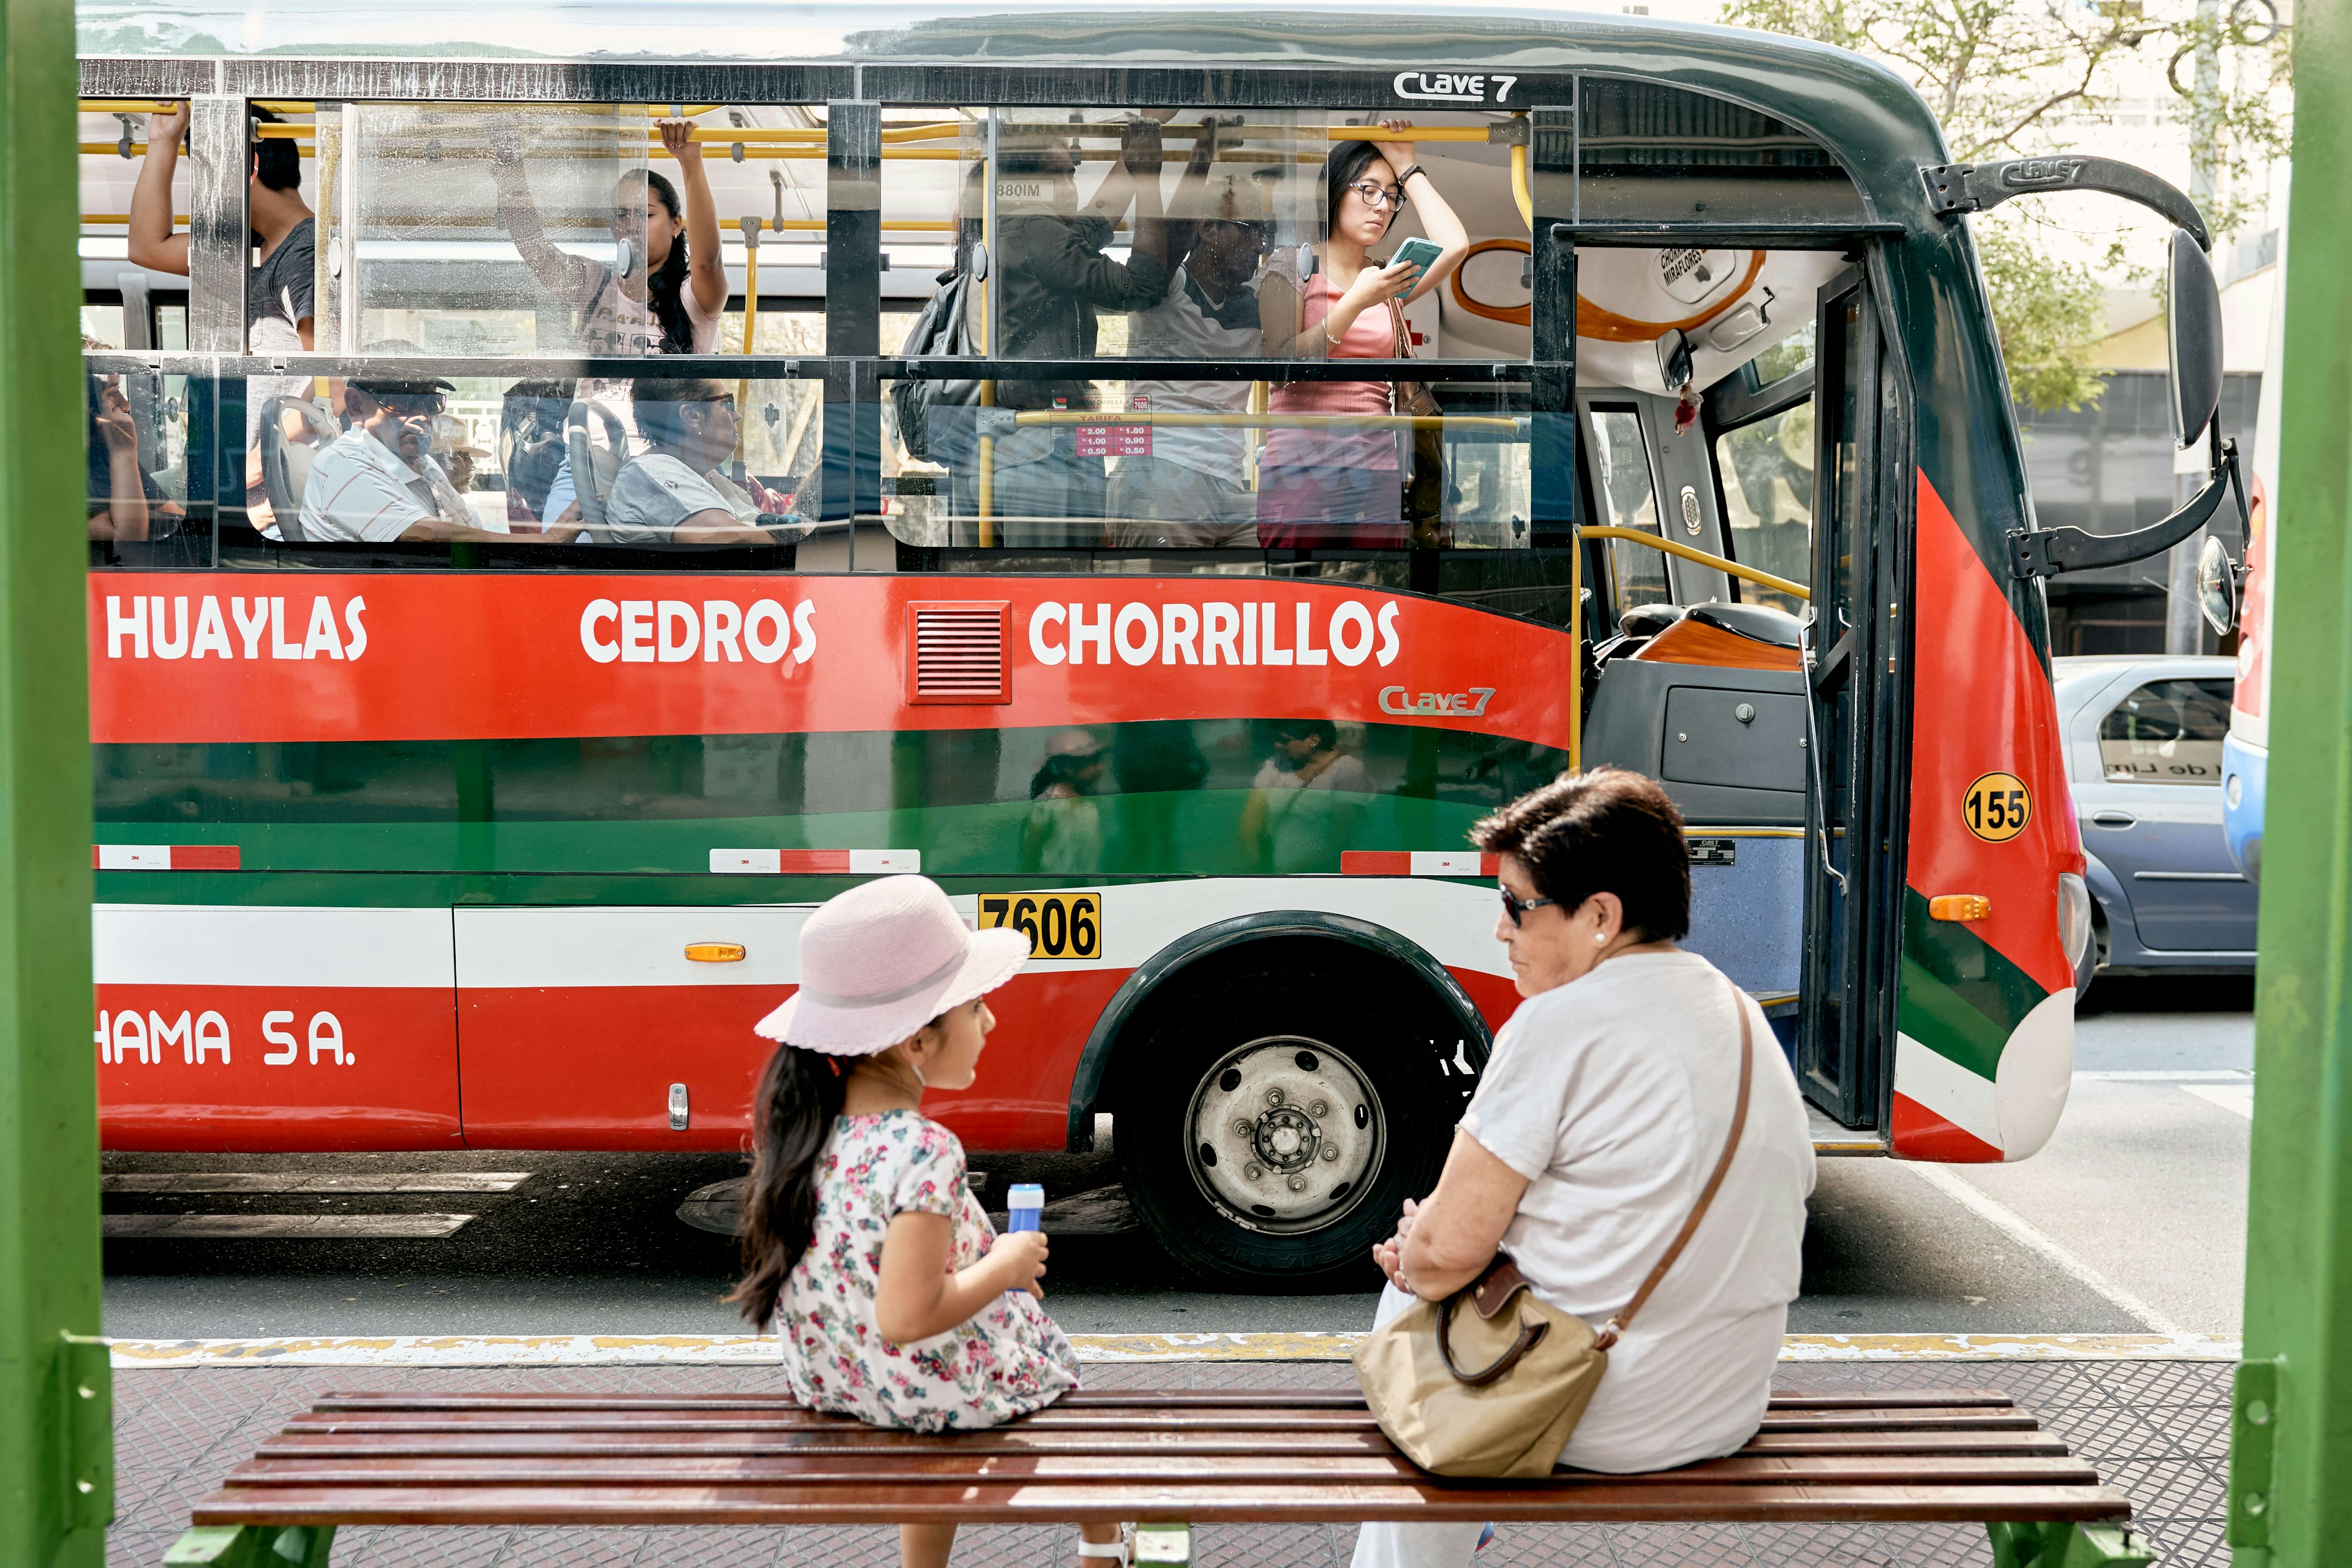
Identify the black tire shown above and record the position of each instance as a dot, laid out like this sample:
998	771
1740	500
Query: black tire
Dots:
2087	968
1303	1019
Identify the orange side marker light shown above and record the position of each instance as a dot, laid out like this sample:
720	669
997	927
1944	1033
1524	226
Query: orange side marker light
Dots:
1959	906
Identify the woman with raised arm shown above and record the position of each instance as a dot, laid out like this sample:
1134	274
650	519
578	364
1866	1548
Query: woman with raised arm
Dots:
1341	486
670	292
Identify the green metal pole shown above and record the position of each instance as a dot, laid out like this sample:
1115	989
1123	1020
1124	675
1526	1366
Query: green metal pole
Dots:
2291	1463
56	1491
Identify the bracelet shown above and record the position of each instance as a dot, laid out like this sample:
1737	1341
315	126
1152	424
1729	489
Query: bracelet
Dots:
1409	174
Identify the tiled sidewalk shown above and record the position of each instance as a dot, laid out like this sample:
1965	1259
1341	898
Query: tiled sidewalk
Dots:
2158	1429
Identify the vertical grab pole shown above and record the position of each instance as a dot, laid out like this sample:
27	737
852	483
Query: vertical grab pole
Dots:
750	226
57	1481
1551	373
986	498
2291	1453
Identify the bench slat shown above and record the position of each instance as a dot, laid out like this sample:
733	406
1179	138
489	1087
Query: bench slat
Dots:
1056	1418
868	1443
1094	1398
1221	1503
1306	1470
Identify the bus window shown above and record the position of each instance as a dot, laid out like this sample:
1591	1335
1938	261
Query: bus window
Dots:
480	230
1620	459
392	467
1647	150
1766	468
2166	732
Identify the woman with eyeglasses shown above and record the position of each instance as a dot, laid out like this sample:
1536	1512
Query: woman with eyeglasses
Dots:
1599	1120
1338	487
675	493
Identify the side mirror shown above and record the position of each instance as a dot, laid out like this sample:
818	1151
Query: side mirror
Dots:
2192	339
2217	587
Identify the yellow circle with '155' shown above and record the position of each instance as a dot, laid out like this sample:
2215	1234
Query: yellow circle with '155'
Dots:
1997	807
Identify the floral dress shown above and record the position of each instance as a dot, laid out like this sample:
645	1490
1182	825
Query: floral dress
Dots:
1005	1362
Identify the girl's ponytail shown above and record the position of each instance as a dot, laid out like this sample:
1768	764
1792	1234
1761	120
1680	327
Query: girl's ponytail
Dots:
800	1094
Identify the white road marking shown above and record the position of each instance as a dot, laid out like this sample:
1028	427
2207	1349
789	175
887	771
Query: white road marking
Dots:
177	1226
2194	1075
2026	1234
2237	1097
621	1349
310	1182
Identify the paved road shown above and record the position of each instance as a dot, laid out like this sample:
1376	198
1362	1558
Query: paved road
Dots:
2133	1218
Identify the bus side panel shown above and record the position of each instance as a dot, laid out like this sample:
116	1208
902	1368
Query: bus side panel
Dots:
235	1028
1985	1049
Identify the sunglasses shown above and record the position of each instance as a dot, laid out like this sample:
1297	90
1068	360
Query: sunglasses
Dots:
1378	196
1516	907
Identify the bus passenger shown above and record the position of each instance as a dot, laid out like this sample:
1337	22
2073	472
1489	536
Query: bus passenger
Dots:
670	293
118	485
1052	279
379	481
674	493
530	447
1340	488
278	290
280	294
1192	489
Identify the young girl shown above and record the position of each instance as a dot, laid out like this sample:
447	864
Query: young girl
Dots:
900	1304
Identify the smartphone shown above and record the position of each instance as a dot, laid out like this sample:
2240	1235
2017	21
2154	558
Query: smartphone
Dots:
1420	252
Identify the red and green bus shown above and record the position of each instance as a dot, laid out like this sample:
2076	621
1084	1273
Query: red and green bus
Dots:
493	827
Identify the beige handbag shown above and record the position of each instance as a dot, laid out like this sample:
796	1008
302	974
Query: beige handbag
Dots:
1535	1366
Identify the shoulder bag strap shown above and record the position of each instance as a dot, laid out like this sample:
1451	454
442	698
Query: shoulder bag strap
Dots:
1617	1325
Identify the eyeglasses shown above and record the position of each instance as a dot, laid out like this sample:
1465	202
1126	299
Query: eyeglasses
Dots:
1377	197
1516	907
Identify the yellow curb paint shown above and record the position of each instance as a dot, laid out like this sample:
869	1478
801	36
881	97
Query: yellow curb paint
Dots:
751	1349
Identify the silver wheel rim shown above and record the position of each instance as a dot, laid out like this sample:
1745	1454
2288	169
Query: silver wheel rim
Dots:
1284	1135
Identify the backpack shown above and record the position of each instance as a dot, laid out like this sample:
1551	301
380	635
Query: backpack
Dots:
940	331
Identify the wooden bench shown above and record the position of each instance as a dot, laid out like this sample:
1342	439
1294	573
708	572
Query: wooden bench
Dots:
1172	1459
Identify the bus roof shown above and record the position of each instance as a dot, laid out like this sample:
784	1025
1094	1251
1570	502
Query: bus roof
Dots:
1871	120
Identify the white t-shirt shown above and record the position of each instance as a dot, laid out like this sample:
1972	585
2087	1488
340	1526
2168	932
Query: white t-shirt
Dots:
1612	1095
1187	324
618	324
361	489
652	494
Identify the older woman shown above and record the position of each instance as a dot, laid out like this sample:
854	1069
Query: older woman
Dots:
1602	1113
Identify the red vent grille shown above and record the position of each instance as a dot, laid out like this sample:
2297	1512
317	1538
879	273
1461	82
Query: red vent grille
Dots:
955	651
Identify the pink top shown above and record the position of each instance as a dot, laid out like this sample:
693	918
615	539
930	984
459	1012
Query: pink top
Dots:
1373	336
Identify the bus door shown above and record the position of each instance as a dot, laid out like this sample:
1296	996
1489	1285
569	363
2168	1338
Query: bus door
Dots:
1847	1027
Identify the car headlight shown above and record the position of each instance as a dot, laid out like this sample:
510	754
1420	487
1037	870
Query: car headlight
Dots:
2074	916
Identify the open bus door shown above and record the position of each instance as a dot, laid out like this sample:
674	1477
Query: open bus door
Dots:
1851	938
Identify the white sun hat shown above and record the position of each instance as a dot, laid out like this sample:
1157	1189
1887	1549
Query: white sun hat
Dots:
882	960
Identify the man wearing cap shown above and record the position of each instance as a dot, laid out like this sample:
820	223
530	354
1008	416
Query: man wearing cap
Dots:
1189	490
379	481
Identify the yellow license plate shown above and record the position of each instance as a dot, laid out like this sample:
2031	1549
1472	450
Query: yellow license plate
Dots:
1059	925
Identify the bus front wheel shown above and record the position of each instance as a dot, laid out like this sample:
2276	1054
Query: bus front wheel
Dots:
1271	1126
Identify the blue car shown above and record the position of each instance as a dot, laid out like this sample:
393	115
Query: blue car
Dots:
2144	738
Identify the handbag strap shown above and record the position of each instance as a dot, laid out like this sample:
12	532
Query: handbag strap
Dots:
1616	1326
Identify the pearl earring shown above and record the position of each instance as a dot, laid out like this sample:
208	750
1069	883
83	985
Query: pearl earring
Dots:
1601	939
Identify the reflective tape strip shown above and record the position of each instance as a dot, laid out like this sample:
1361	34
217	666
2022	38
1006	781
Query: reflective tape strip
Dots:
813	862
163	856
1418	863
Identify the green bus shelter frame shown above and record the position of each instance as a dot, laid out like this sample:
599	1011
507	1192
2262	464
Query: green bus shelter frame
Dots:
2291	1437
57	1455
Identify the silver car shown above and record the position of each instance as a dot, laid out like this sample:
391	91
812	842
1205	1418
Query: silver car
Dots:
2144	758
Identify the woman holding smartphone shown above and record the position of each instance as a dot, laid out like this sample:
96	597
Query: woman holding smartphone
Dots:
1337	487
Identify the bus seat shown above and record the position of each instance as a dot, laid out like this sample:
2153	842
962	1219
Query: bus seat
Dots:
594	468
286	465
1713	707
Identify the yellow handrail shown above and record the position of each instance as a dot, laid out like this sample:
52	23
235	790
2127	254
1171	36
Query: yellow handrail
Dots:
1747	573
1519	190
1419	133
1271	421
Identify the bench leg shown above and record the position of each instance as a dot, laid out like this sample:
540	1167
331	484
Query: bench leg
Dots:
252	1546
2065	1545
1159	1545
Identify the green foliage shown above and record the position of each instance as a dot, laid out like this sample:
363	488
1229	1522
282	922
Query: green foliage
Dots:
2005	78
